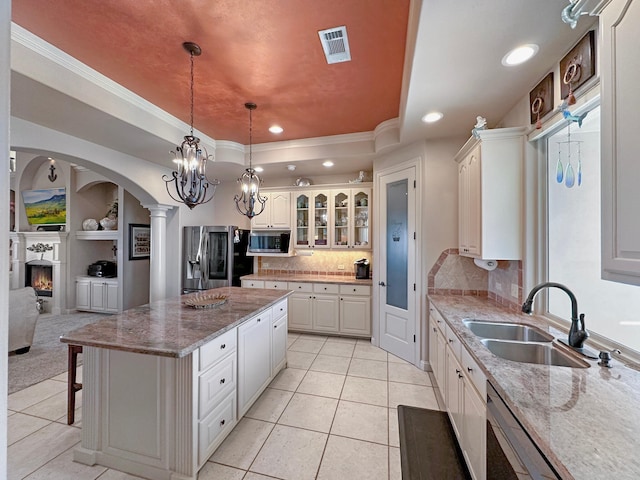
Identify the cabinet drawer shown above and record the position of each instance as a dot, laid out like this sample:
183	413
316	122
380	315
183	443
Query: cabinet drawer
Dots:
472	370
252	283
325	288
213	428
279	310
301	287
437	319
453	341
355	290
215	384
217	348
275	285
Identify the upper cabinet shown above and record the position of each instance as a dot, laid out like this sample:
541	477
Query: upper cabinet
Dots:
620	97
350	210
276	213
490	195
336	218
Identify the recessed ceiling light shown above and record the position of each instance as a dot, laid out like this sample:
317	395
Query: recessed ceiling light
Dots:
291	168
259	169
276	129
432	117
328	163
519	55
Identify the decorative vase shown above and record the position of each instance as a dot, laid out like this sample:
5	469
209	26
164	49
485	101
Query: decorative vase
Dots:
109	223
90	225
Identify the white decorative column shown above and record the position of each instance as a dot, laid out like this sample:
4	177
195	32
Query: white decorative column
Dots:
158	257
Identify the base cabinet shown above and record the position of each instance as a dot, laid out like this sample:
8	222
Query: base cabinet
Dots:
464	390
97	294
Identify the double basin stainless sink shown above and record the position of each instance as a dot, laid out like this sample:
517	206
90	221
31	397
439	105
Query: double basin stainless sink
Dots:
522	343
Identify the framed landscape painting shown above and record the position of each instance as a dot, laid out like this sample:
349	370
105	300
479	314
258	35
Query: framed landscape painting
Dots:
45	207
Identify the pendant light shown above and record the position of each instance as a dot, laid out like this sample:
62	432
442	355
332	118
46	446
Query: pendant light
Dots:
249	202
190	181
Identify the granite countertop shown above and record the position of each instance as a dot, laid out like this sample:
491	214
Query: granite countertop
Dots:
167	328
308	278
585	420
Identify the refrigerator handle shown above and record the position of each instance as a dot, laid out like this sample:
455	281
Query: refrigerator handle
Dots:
204	259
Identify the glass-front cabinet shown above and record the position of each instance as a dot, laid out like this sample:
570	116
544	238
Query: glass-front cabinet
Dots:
302	220
336	218
351	208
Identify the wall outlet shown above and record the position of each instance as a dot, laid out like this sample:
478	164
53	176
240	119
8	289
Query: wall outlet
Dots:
514	290
498	287
340	267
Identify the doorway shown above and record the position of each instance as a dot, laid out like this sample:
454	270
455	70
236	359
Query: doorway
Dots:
397	263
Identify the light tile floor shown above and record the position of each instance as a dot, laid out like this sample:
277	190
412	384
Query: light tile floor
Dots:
331	415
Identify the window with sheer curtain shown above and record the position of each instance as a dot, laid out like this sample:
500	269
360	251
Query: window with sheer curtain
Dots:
573	248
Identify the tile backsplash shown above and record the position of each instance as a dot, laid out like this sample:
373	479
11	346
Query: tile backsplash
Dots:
320	263
454	274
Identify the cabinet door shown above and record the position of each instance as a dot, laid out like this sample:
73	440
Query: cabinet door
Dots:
325	313
441	361
619	71
463	207
83	294
111	296
280	209
97	296
300	311
474	203
474	431
302	219
361	201
453	392
320	220
254	359
278	345
355	315
342	219
433	349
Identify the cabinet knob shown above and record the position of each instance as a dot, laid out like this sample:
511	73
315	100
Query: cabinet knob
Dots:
275	326
459	375
221	381
259	320
458	371
469	369
223	346
354	289
222	422
434	329
451	340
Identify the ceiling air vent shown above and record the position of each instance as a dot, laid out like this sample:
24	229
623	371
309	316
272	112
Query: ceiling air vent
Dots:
335	44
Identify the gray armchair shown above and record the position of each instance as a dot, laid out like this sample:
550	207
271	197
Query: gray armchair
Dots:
23	315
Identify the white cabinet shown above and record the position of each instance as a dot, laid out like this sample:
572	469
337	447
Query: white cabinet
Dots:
276	213
355	310
300	313
314	307
279	338
463	385
252	284
620	97
490	197
254	354
97	294
350	218
312	218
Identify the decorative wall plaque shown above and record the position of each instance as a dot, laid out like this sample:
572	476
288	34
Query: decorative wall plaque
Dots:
578	66
541	99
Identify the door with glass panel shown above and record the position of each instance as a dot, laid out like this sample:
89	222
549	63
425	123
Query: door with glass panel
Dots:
397	311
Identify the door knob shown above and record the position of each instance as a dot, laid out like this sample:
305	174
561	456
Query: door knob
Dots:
382	284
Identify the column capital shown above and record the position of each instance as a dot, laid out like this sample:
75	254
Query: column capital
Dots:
158	209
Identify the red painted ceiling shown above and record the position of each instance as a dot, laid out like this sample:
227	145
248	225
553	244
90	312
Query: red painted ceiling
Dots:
265	51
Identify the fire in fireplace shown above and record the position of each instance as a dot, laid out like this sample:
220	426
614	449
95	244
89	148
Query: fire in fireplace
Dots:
39	275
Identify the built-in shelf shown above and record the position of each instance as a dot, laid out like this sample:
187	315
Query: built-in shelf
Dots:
97	235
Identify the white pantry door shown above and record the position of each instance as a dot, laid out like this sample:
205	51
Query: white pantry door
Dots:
396	238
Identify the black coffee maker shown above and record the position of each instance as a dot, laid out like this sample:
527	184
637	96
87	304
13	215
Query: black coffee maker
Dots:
361	268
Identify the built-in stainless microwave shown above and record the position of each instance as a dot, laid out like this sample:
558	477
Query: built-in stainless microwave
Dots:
269	241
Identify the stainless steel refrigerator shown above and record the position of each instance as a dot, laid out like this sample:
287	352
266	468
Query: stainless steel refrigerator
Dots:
214	256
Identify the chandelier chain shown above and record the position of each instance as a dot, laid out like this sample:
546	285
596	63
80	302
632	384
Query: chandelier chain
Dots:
191	118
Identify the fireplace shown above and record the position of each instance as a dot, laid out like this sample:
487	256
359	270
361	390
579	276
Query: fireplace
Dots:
39	275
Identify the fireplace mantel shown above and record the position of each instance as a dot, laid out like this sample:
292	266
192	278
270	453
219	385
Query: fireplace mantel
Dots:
57	255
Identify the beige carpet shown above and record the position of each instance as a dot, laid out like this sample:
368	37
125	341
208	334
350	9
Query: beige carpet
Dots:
48	356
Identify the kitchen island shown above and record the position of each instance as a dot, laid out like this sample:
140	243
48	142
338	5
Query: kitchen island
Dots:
164	383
